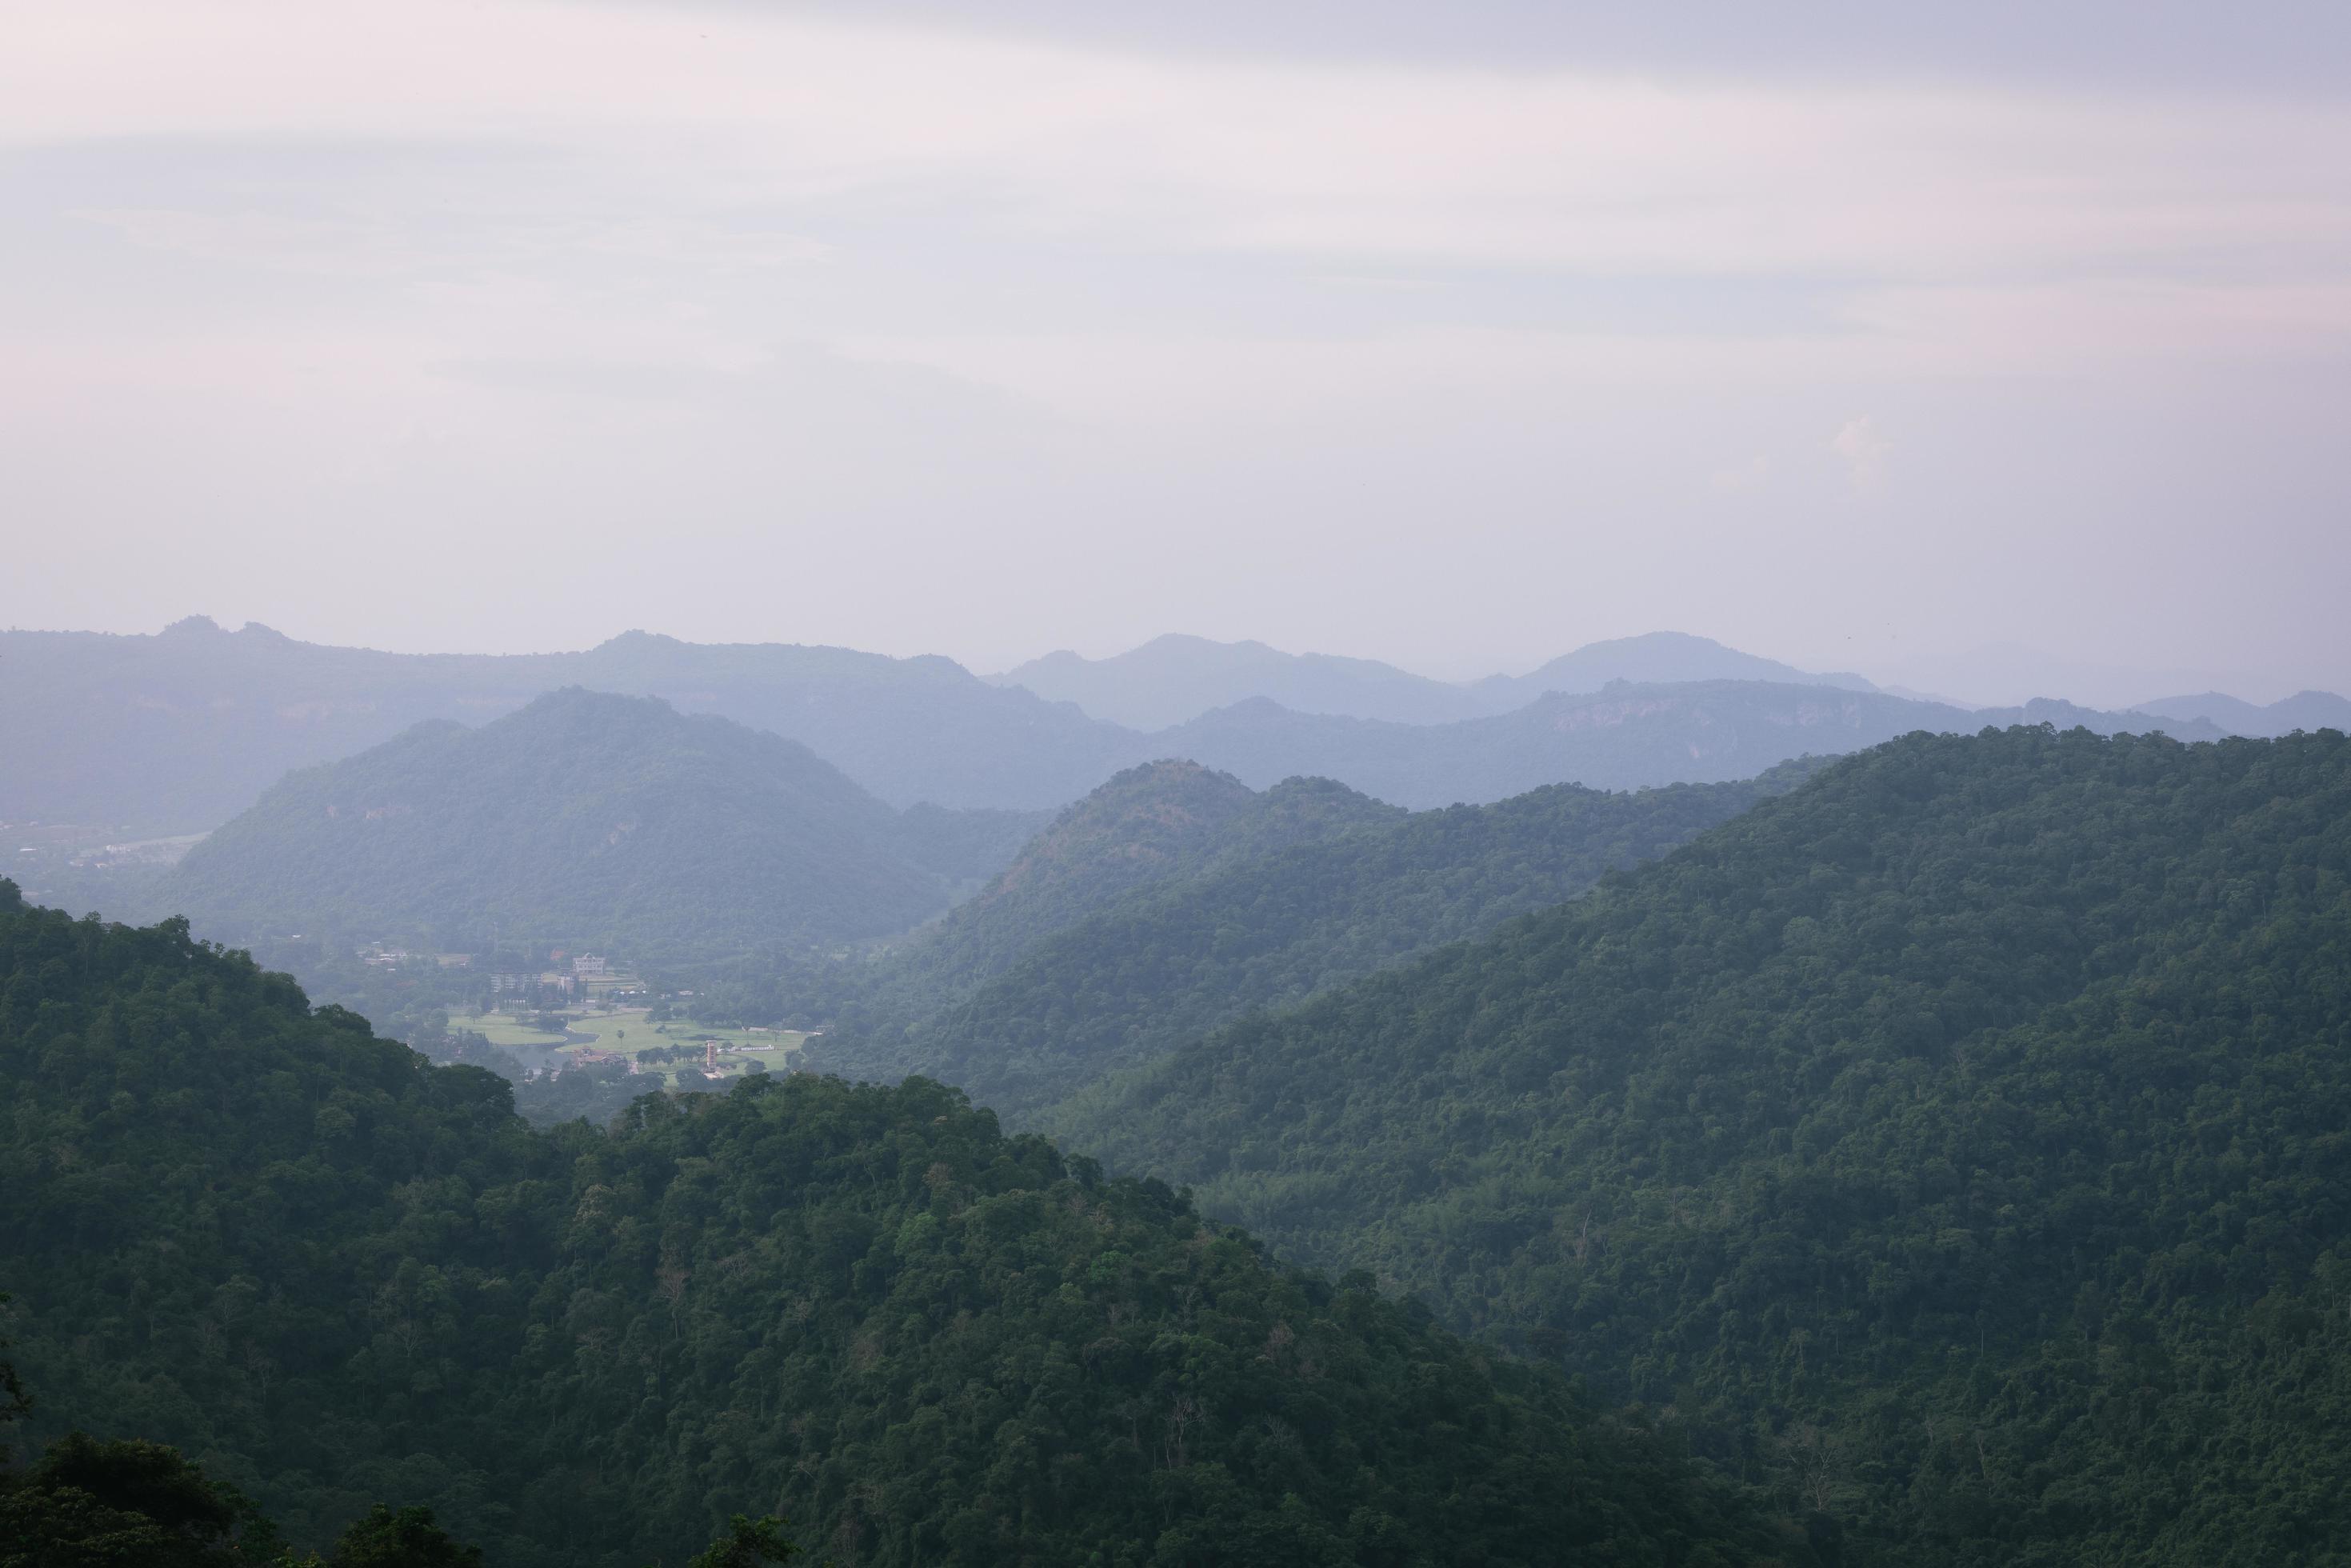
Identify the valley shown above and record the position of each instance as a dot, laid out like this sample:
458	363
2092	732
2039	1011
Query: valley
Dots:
1912	1151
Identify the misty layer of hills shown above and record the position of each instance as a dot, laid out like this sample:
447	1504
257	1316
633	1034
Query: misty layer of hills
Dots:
180	731
2303	710
585	818
1172	679
1622	737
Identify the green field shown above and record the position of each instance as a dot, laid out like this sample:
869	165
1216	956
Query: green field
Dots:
627	1033
502	1029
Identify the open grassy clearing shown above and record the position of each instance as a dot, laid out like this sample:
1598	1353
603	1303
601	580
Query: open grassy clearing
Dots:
626	1032
629	1034
502	1029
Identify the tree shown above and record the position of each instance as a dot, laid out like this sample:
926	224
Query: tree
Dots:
406	1539
13	1402
747	1543
127	1504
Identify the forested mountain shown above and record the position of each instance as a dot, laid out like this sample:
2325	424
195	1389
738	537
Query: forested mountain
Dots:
1171	960
1173	678
180	731
338	1275
583	819
1152	823
1961	1135
2303	710
1620	738
1654	658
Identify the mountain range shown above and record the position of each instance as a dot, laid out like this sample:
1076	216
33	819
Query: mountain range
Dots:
2303	710
1928	1154
1622	737
583	819
1172	679
1076	988
1956	1136
177	732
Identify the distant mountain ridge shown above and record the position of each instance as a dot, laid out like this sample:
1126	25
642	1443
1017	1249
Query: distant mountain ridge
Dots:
1654	658
179	731
1174	679
1624	737
2303	710
584	819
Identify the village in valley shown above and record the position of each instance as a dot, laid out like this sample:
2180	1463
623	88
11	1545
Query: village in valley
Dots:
583	1011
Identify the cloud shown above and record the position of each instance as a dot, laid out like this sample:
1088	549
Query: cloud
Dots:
513	273
1864	451
1343	165
382	244
1744	478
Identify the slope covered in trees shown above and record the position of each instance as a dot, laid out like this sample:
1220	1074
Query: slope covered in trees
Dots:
1170	961
338	1275
1151	823
586	819
1963	1134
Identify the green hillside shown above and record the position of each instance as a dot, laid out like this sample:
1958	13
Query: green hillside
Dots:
1172	960
585	819
333	1274
1151	823
1960	1139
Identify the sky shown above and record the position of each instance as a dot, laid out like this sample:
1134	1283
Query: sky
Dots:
1984	353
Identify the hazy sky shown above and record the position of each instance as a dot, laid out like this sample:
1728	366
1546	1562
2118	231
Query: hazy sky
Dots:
1452	335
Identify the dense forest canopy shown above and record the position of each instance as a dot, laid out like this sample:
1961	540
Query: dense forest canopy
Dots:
585	819
1150	824
1958	1140
1179	955
336	1275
